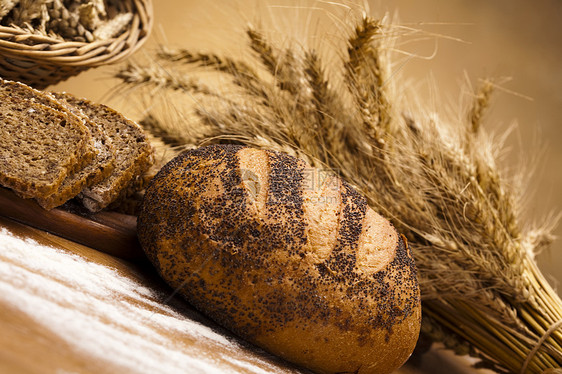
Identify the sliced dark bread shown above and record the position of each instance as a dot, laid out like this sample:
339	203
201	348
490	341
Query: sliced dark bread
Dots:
39	146
100	168
17	91
93	170
133	153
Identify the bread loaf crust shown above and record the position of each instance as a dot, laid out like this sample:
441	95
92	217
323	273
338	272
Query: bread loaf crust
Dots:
246	259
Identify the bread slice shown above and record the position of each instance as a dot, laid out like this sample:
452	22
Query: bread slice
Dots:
100	168
18	91
39	146
95	168
133	153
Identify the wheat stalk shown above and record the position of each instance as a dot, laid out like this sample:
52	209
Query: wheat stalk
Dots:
436	180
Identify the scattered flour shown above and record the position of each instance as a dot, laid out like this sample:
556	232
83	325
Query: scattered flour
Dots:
111	317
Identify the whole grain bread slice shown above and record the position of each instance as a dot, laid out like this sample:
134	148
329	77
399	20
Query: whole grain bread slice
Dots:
133	153
39	146
100	168
21	92
93	170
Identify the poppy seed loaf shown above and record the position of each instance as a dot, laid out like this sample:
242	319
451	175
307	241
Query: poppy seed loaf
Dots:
288	258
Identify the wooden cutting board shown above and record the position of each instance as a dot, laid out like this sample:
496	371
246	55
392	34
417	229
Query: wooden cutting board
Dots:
109	232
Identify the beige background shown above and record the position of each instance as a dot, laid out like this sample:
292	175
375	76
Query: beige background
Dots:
502	38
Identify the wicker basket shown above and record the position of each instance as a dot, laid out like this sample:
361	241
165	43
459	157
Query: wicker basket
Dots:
40	60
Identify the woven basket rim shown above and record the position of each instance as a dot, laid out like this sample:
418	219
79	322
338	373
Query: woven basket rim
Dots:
79	54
